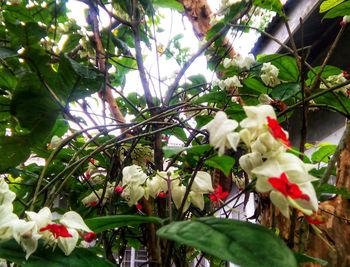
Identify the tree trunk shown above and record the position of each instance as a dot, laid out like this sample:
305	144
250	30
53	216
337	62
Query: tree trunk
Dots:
335	245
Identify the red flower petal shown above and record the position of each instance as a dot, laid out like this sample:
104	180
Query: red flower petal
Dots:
162	195
58	230
277	131
218	194
287	188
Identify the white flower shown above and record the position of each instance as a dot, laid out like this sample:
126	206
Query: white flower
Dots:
269	75
335	80
26	234
133	175
257	117
232	82
177	194
267	145
246	62
133	193
202	183
156	185
287	179
221	133
55	142
227	63
250	161
65	233
264	99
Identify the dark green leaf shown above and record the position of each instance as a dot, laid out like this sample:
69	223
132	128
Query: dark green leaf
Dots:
323	153
256	85
285	90
100	224
223	163
235	241
13	151
339	11
219	97
5	53
11	251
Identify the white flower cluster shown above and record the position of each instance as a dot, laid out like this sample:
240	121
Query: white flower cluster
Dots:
136	185
241	62
228	83
269	75
39	225
282	174
335	80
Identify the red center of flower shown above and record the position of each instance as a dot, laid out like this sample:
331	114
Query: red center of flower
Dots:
58	230
118	189
89	237
277	131
138	206
162	195
218	194
287	188
314	219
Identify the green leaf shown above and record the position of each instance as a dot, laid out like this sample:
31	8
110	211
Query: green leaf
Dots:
301	258
273	5
327	71
219	97
11	251
285	91
75	81
256	85
197	150
243	243
288	69
100	224
323	153
329	4
339	11
331	189
173	4
5	53
13	151
223	163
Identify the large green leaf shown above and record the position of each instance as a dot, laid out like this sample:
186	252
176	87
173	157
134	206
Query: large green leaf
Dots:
223	163
173	4
329	4
327	71
288	69
285	90
243	243
256	85
323	153
13	151
100	224
75	81
339	11
11	251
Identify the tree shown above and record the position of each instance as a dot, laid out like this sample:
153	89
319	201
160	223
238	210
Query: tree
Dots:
117	182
